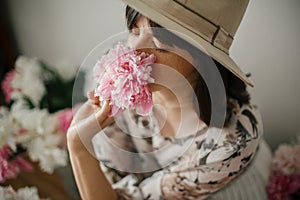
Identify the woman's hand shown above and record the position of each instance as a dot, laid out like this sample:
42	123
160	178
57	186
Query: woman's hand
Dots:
89	120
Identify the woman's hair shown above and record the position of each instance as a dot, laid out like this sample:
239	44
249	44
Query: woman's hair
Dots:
234	87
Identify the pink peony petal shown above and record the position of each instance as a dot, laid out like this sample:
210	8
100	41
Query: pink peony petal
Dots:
23	164
65	118
287	159
283	186
10	168
6	85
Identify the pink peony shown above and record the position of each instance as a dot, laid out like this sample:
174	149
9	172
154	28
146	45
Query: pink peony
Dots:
11	168
122	77
6	85
65	118
284	187
287	159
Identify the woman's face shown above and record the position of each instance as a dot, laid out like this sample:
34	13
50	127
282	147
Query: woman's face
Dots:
168	57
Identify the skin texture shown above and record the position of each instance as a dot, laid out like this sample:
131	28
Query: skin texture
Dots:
90	179
92	117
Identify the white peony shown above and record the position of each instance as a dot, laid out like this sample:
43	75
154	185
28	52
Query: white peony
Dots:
19	105
7	193
42	137
36	122
65	70
44	149
28	80
7	129
25	193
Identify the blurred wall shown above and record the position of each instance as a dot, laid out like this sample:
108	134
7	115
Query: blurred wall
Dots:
64	30
267	44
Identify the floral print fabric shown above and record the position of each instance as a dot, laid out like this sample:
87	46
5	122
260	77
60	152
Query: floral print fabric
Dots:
190	167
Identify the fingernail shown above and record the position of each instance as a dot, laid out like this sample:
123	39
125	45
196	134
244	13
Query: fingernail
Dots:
96	100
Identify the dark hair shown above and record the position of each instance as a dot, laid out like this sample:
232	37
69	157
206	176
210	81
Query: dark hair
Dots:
234	87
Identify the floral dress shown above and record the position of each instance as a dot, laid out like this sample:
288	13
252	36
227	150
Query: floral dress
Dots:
141	164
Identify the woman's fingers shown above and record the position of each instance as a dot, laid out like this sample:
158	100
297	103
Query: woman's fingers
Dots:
91	96
91	120
83	112
108	121
89	109
103	113
97	101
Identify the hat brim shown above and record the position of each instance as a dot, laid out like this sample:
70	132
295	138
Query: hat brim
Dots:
193	38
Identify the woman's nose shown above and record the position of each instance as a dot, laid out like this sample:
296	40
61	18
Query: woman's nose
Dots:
142	41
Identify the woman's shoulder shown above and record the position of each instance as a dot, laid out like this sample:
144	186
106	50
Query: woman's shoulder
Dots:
240	138
245	121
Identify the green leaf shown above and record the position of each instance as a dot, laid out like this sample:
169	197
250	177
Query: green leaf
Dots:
29	102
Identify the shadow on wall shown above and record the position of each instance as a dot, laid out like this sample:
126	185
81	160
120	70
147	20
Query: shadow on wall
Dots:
8	47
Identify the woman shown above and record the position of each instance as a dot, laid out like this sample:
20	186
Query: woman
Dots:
202	133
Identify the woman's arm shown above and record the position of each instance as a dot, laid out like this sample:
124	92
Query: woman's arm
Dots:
90	179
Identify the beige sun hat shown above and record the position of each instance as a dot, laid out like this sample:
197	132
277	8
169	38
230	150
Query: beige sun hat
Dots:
209	24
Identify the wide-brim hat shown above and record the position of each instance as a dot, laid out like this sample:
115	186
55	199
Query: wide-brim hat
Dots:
208	24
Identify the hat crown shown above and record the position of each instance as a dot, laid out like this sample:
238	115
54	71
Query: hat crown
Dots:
216	21
224	13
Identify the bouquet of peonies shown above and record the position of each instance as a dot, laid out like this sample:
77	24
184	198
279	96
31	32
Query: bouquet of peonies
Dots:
122	76
284	182
35	118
